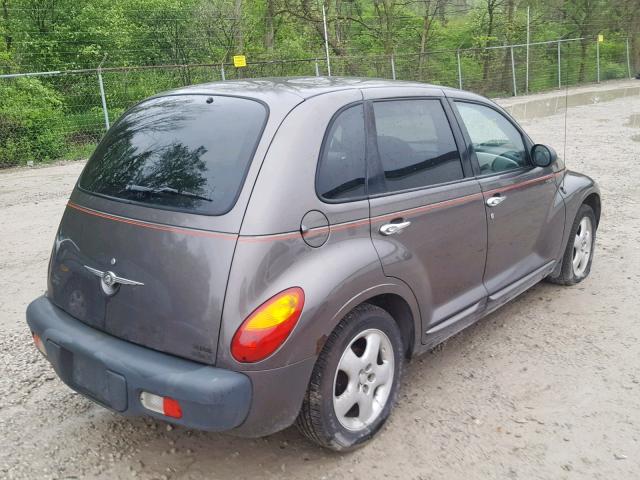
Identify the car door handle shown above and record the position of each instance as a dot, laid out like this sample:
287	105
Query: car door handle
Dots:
495	201
393	228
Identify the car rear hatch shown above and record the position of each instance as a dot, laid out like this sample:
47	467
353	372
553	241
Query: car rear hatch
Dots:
145	245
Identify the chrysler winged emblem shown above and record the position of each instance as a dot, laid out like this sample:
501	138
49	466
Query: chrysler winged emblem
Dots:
109	281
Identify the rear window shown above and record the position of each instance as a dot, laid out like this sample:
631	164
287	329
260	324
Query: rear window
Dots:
179	152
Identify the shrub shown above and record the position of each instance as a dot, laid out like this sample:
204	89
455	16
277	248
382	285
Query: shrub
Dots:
31	122
613	70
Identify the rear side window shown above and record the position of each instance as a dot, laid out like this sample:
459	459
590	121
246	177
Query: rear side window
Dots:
497	143
341	171
181	152
415	143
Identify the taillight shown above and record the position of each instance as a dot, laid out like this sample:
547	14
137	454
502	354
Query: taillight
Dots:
268	326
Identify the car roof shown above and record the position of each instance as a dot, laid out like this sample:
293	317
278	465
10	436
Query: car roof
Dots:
290	91
303	87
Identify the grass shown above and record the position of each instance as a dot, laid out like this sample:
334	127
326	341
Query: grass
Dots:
80	151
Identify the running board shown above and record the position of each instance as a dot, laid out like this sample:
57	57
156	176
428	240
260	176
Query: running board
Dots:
519	286
456	317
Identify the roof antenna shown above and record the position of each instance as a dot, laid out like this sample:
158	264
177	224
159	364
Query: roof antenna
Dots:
566	108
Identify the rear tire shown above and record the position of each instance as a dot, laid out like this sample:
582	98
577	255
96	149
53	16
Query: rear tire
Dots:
355	381
578	255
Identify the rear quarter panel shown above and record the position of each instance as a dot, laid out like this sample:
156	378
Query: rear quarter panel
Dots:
336	277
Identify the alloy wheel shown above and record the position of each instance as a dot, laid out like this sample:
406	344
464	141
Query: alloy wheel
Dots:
582	247
363	379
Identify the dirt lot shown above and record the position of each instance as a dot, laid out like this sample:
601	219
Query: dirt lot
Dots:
547	387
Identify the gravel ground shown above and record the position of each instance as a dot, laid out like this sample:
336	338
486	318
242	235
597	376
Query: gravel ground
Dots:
547	387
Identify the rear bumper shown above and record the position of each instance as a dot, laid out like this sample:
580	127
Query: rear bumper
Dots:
113	373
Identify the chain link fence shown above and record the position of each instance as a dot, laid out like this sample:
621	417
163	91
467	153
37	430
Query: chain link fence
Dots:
62	115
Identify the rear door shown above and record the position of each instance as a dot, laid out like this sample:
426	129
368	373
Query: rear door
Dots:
427	214
525	215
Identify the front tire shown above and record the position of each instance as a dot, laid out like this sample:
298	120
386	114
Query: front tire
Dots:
578	256
355	381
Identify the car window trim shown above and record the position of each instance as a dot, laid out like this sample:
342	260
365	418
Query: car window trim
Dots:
526	141
243	182
418	189
524	169
323	146
378	180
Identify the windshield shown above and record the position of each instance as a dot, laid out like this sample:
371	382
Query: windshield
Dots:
180	152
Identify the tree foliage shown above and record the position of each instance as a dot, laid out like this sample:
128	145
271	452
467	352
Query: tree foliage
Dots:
45	35
31	122
56	34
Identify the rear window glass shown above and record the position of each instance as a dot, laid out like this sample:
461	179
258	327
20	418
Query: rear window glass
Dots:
180	152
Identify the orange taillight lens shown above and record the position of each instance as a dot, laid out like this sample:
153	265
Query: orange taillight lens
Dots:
39	343
268	326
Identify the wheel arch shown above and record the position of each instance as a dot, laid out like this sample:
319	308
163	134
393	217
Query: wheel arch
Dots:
593	200
578	189
400	310
399	301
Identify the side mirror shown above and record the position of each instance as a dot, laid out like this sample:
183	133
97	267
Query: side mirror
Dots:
542	155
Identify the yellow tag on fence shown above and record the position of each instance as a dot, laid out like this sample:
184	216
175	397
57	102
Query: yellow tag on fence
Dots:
601	38
239	61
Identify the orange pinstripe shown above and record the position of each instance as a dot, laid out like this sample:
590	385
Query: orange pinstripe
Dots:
314	231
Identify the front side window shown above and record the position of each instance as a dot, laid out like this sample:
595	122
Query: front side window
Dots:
179	152
415	144
497	143
341	170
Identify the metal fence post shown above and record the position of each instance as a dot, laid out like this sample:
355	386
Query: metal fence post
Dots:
103	98
559	66
326	40
393	68
598	60
459	70
513	74
317	69
628	59
222	72
526	83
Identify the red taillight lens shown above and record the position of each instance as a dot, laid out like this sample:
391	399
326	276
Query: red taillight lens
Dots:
268	326
171	407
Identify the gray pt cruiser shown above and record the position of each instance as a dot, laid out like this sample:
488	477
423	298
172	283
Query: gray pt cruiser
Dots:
247	255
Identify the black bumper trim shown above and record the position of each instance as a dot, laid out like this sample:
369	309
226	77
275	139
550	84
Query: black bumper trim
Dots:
114	372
